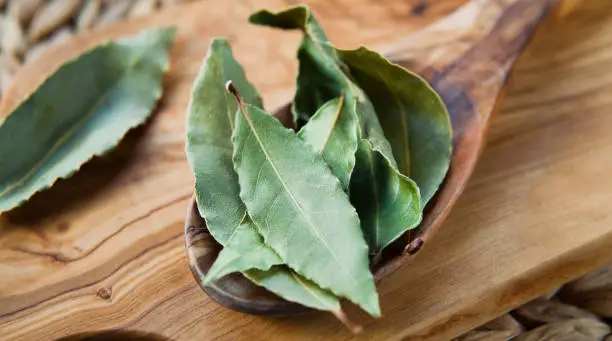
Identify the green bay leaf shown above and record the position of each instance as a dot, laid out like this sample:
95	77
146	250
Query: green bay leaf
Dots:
300	209
371	130
210	122
83	110
387	201
412	115
295	288
331	132
209	150
245	250
320	77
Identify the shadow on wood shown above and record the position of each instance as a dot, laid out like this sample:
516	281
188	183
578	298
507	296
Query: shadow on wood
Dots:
116	335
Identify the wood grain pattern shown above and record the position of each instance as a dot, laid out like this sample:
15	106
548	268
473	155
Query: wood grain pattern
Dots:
104	249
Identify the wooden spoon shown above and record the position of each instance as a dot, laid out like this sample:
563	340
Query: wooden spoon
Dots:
467	58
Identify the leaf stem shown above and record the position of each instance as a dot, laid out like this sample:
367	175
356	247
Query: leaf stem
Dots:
229	86
353	327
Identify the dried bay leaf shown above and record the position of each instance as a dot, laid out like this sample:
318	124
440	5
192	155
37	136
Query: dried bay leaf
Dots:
286	283
300	209
319	77
371	130
412	115
295	288
323	76
245	250
210	122
331	131
209	151
387	201
110	89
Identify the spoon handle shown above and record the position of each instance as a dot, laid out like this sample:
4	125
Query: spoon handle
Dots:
467	58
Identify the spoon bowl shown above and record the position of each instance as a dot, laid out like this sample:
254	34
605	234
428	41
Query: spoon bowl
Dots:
468	65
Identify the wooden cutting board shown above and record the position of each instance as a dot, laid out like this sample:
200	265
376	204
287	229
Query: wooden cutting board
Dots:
104	249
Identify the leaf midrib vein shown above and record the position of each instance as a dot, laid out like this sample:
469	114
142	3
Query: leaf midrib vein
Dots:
288	191
331	128
306	287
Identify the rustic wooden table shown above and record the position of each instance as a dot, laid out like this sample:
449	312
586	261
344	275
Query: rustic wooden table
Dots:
104	249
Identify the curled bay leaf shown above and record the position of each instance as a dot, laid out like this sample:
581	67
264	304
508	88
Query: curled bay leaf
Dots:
412	115
388	203
210	121
300	209
331	131
81	111
371	130
320	77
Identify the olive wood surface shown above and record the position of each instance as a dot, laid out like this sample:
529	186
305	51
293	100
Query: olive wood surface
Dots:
105	249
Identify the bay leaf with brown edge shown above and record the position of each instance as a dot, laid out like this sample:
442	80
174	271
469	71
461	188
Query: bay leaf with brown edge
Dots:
82	110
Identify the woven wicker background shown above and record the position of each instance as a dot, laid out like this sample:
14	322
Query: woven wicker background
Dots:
27	27
579	311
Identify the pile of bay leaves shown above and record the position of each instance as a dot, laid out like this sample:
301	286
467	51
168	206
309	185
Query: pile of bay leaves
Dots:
303	210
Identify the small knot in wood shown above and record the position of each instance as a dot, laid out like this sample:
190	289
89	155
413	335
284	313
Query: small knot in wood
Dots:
105	293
